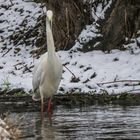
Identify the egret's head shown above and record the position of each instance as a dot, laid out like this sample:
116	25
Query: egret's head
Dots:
49	15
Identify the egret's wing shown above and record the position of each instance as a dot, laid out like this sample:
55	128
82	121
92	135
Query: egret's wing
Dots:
37	77
36	82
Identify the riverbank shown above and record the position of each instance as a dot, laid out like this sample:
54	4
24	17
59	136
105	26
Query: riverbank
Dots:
23	102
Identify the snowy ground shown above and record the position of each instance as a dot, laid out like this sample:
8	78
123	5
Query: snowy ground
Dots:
91	68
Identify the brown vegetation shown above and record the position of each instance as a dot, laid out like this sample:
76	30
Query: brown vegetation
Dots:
123	21
69	19
9	129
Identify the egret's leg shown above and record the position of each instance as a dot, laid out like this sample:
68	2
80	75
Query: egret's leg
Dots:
49	110
49	105
42	105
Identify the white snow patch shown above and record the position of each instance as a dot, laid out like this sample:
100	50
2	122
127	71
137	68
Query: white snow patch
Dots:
118	65
15	14
91	32
99	12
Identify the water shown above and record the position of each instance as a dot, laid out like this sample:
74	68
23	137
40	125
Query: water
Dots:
82	123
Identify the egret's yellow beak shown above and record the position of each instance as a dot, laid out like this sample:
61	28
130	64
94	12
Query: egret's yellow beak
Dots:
50	16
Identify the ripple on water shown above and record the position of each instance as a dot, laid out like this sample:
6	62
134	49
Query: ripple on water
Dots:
83	123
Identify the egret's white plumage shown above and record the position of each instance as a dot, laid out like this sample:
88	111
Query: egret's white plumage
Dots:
47	73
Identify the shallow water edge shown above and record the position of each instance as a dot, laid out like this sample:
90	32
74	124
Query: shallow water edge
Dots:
24	102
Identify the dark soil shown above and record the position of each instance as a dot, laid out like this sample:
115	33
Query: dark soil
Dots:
24	102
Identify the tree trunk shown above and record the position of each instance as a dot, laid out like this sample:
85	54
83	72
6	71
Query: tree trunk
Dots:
124	21
68	21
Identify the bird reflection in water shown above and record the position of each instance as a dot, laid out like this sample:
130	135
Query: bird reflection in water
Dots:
44	130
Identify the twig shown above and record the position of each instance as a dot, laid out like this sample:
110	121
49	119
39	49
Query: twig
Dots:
96	15
67	22
26	69
70	71
6	52
77	7
133	90
119	81
20	63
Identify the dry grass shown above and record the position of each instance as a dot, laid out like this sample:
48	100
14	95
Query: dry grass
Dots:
9	129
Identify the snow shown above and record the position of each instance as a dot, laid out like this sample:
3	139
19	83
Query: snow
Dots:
92	32
89	33
15	15
92	68
99	12
104	65
133	47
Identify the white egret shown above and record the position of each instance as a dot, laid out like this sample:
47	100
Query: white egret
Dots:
48	72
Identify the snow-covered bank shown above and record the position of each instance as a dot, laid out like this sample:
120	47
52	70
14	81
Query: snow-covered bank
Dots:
92	68
97	67
16	17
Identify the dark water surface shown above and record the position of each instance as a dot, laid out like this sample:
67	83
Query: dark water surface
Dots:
82	123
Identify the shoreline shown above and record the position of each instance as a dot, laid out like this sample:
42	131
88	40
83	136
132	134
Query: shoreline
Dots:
23	102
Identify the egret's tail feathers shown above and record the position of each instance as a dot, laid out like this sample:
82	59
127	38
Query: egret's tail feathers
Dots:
36	97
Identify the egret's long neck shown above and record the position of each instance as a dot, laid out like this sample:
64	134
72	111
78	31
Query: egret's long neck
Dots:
50	41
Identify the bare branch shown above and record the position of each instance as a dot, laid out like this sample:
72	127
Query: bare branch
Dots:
119	81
